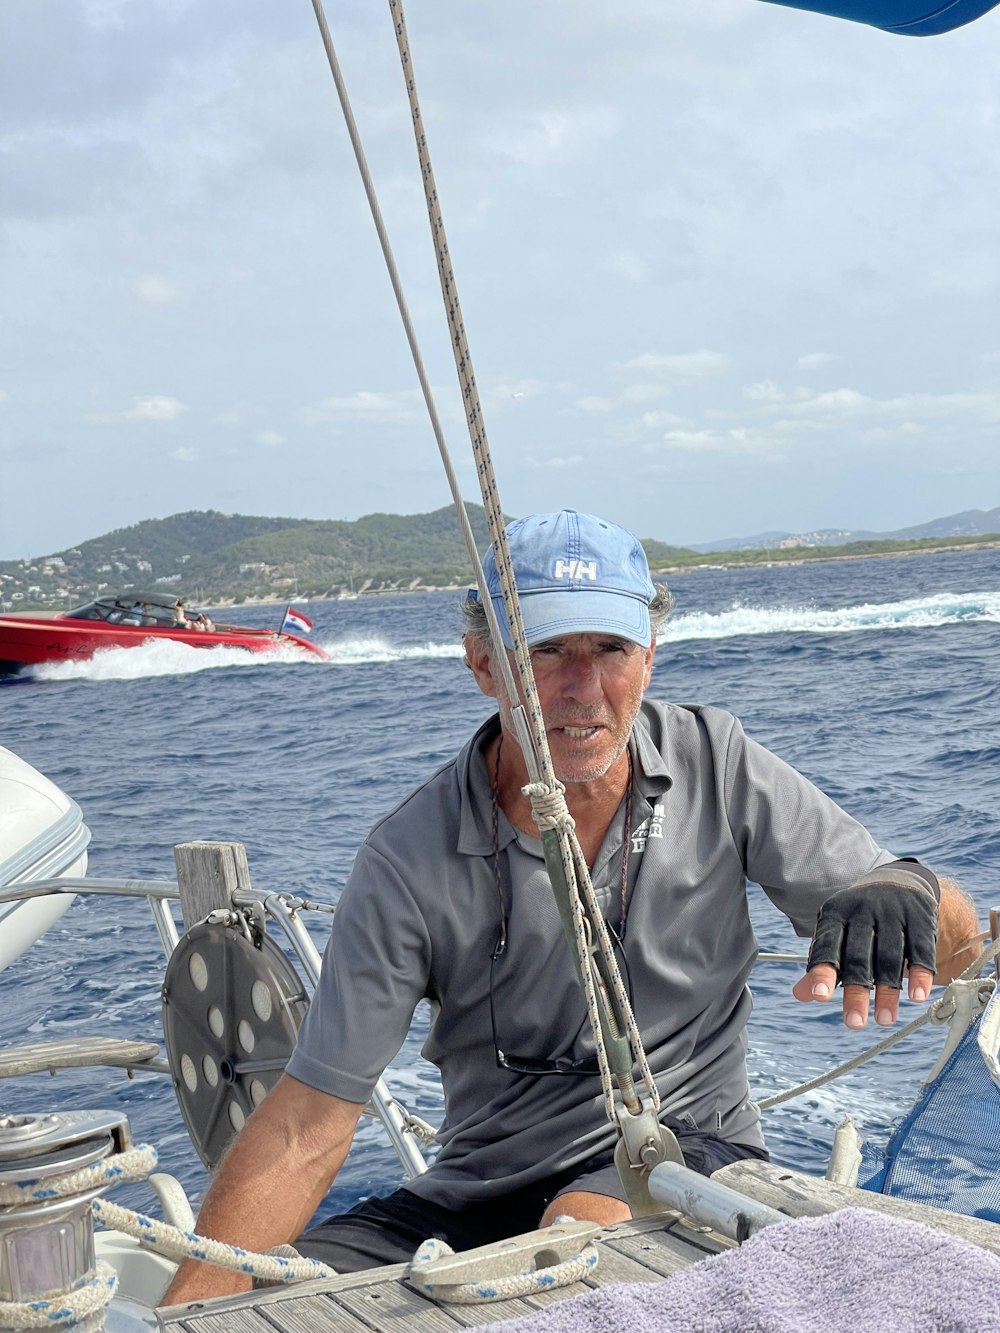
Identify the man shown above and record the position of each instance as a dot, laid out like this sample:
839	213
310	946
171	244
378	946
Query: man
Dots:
674	809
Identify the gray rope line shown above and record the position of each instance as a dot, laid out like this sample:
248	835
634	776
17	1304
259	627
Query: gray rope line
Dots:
544	791
930	1014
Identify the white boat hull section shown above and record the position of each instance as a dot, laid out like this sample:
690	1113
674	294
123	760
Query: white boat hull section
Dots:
42	836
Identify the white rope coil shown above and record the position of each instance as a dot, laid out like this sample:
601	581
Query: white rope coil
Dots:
92	1293
502	1288
131	1164
178	1245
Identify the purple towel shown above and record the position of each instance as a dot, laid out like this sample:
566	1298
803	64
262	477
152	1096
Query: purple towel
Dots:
853	1271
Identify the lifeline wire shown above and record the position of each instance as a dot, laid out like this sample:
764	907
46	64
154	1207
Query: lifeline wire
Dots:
534	743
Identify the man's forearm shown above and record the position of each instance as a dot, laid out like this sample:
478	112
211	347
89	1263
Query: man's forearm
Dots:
270	1182
959	938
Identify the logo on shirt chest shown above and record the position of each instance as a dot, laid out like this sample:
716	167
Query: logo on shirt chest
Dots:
652	827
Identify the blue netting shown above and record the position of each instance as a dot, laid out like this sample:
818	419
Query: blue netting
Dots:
946	1152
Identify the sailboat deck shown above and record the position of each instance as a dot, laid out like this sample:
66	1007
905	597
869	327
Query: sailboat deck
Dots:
380	1299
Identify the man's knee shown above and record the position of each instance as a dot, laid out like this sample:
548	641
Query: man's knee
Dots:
586	1207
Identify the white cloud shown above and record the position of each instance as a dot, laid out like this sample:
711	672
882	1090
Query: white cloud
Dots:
661	420
644	393
185	455
765	392
838	405
155	408
402	406
501	395
594	403
554	135
270	439
674	369
239	415
629	266
815	360
555	463
156	291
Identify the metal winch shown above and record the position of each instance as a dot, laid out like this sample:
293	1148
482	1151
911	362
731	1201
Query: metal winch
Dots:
47	1239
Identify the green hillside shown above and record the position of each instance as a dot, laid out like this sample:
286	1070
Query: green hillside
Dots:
218	558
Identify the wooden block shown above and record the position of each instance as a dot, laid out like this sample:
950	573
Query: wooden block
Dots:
799	1195
208	876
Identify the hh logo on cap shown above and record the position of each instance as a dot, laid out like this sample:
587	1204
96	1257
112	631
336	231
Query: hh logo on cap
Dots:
575	569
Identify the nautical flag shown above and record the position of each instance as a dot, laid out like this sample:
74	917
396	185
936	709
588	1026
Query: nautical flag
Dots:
296	622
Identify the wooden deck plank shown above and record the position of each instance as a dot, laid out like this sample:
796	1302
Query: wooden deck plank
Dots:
665	1249
246	1320
392	1307
489	1312
379	1299
308	1314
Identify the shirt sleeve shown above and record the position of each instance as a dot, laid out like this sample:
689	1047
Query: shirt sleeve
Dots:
375	971
796	842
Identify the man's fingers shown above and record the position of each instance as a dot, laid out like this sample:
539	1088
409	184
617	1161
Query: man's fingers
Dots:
886	1005
819	983
855	1006
919	985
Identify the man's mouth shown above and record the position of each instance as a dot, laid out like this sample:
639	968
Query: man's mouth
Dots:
578	733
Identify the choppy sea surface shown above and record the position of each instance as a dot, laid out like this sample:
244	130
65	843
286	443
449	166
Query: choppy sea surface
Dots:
878	678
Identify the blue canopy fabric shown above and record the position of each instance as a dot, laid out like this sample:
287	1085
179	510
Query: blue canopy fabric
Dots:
914	18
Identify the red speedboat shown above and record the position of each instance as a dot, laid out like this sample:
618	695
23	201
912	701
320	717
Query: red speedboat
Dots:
127	620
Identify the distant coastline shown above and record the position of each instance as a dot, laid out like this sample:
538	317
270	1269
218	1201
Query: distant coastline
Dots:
781	558
232	560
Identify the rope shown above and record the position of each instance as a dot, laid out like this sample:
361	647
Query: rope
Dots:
97	1288
92	1293
176	1244
131	1164
502	1288
934	1013
544	790
528	720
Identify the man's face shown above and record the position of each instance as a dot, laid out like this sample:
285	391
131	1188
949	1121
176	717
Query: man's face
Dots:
590	687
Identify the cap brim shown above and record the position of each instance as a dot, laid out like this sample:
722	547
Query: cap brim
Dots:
550	615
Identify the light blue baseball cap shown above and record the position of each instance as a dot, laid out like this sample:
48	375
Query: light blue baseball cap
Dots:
575	574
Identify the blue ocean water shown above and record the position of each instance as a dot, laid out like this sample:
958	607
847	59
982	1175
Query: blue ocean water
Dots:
877	678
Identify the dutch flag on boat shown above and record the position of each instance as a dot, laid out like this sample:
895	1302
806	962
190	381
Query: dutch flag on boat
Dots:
296	622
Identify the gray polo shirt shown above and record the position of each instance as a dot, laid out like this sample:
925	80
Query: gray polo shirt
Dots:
421	914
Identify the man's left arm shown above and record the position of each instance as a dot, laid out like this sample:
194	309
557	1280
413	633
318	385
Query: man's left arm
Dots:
899	919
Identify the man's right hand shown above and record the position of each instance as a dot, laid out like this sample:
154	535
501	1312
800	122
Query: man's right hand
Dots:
270	1182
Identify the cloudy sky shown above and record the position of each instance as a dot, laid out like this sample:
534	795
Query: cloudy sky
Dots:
725	267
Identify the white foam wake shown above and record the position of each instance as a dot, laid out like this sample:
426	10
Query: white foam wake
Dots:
165	657
914	613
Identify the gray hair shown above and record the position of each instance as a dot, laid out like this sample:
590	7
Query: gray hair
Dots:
475	624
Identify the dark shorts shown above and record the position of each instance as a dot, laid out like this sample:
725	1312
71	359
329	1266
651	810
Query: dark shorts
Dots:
390	1230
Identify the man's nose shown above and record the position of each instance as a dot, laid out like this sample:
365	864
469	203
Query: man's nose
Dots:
582	679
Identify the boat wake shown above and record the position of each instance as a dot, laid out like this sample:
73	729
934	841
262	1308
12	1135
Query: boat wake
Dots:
914	613
164	658
167	658
373	649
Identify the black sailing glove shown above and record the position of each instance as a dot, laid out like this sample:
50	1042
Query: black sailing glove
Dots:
887	921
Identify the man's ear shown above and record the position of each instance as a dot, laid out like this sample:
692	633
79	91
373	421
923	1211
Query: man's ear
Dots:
650	654
477	656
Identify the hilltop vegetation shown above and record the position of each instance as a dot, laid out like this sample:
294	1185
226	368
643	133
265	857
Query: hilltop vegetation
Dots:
219	558
230	558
